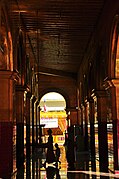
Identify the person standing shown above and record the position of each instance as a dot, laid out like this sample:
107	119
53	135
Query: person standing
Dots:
57	152
50	156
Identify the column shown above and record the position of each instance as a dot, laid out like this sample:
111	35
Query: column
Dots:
40	132
78	108
33	121
28	142
86	125
6	122
20	126
82	119
92	134
102	129
37	103
112	88
72	115
28	96
115	117
37	166
33	134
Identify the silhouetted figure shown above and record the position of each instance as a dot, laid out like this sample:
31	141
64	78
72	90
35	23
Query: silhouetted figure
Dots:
57	152
70	149
50	156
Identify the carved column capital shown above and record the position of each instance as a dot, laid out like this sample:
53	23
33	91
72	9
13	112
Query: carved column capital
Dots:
98	93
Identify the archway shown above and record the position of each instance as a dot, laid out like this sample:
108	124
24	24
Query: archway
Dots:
113	96
53	115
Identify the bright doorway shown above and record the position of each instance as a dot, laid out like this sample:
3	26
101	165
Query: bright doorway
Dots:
53	115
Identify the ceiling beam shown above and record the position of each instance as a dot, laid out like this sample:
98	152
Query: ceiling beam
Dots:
53	72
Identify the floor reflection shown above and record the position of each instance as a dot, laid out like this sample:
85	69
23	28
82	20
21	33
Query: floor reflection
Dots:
52	172
34	168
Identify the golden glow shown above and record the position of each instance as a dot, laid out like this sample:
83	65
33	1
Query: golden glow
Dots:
117	68
11	51
53	114
20	11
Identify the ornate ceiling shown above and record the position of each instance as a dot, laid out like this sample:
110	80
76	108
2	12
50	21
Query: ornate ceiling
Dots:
58	31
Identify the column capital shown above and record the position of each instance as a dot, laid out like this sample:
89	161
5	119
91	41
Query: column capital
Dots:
88	100
37	102
5	74
39	108
91	100
33	98
82	106
109	83
98	93
115	82
71	109
20	88
28	95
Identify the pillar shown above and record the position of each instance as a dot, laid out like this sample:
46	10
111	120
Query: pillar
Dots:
28	142
28	96
36	107
38	123
33	121
82	119
19	126
86	124
40	133
78	108
102	129
72	115
115	117
111	86
33	99
6	123
92	134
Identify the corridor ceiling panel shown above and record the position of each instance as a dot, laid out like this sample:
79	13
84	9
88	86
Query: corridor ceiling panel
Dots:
58	31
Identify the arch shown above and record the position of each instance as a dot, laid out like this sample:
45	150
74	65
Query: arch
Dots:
6	45
55	101
53	114
114	50
57	90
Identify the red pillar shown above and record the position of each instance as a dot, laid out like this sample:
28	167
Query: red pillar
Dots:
28	150
92	134
101	118
86	124
6	123
28	142
112	88
20	126
115	117
33	99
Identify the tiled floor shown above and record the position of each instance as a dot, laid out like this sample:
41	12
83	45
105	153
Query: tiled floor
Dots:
34	168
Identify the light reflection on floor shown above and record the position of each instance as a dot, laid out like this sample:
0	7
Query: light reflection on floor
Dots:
62	170
36	170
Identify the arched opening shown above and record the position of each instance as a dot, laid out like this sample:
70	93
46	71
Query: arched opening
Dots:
53	116
113	98
114	50
117	60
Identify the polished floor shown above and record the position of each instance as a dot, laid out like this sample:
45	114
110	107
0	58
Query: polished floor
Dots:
34	168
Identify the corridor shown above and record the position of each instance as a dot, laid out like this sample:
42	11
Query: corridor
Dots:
68	47
34	169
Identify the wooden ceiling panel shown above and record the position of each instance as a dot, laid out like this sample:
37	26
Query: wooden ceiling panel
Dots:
59	30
